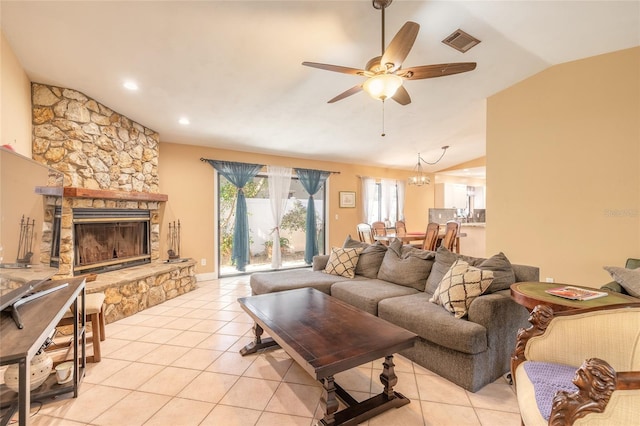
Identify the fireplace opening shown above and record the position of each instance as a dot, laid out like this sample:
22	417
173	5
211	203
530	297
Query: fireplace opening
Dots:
110	239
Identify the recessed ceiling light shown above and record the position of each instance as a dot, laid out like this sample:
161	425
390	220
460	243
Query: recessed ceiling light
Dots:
130	85
184	121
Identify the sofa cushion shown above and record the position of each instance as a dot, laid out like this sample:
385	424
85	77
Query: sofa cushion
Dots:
271	282
460	286
370	258
629	279
433	323
365	294
405	265
503	275
342	261
547	379
444	260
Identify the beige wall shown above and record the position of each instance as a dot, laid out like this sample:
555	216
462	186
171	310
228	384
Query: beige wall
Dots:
563	168
189	184
15	102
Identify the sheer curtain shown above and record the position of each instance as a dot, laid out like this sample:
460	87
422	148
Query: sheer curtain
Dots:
279	182
400	187
312	181
239	174
368	189
387	200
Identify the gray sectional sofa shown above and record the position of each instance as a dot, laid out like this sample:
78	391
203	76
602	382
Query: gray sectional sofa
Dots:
396	283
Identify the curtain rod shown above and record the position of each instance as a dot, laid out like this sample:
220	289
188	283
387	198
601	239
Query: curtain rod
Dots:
328	171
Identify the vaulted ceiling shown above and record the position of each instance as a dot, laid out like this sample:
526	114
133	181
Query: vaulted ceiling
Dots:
233	68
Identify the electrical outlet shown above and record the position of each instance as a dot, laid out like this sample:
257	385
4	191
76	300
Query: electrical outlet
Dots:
549	279
203	261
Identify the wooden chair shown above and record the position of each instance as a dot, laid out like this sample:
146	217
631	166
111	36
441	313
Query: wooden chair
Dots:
401	228
450	236
596	349
365	233
379	228
431	236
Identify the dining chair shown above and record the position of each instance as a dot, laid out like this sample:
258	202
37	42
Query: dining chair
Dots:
431	236
401	228
379	228
450	234
365	233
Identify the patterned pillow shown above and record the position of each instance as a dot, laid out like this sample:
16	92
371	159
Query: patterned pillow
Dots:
460	286
343	261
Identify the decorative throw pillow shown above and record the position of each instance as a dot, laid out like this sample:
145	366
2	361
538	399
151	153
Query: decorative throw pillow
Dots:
370	257
406	266
444	260
460	286
503	275
342	261
627	278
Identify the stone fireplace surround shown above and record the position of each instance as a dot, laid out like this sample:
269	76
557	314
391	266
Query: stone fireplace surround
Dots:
108	161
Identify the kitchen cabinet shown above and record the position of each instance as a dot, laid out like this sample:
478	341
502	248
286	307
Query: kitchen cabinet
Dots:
456	196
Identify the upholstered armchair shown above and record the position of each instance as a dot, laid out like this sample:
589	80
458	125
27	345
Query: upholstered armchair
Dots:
579	367
614	285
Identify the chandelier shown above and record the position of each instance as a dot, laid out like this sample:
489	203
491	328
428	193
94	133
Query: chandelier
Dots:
419	177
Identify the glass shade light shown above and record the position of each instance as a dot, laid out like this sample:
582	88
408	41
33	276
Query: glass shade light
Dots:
419	178
382	86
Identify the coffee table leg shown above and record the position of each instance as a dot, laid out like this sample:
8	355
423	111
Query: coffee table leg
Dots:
330	401
258	343
388	377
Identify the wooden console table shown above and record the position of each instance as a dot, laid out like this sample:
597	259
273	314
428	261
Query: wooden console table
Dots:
40	317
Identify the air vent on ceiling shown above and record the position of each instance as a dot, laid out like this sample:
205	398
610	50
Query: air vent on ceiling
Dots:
461	41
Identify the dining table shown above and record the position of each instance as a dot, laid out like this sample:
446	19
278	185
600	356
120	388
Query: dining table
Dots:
414	237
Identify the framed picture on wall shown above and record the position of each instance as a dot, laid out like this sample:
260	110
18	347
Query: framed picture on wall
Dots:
347	199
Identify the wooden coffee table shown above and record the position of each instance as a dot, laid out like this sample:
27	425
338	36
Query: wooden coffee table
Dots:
326	336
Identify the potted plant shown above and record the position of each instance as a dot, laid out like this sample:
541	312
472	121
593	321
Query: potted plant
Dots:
268	246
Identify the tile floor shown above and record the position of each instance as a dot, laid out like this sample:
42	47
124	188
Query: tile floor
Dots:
178	364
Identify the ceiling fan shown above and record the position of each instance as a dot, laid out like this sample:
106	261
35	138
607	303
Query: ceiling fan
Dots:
385	74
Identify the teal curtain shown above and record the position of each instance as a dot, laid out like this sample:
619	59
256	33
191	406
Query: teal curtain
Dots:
239	174
312	181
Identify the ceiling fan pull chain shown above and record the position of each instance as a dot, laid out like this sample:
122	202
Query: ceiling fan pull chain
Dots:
383	133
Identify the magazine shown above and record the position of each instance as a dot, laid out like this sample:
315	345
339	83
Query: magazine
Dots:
576	293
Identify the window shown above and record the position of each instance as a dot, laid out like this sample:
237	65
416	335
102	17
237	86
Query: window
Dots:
383	200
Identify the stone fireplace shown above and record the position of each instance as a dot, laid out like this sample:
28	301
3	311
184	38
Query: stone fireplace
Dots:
110	165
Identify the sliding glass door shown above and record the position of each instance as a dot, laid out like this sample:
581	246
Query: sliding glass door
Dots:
292	229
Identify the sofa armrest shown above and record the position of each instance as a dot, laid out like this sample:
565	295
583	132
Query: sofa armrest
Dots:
497	310
614	286
319	262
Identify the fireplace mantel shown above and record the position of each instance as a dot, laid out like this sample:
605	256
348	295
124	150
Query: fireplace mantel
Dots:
74	192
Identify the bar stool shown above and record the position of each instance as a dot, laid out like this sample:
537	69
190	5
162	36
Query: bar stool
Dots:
94	304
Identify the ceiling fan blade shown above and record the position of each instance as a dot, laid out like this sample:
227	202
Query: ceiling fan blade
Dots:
402	96
335	68
436	70
346	93
400	46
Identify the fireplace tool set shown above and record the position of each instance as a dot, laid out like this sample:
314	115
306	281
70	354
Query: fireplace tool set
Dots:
25	244
173	239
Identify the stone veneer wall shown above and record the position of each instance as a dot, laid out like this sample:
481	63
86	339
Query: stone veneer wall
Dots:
98	148
93	146
132	290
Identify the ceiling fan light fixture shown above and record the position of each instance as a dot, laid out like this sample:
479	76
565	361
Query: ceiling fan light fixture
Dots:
382	86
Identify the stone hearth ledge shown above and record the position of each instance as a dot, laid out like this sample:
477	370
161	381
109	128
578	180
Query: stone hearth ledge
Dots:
131	290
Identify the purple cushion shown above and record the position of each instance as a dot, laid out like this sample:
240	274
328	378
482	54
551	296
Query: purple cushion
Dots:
547	379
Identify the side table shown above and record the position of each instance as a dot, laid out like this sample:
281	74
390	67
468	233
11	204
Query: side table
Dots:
530	294
40	317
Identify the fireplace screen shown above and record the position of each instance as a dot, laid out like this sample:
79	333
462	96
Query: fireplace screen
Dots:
108	239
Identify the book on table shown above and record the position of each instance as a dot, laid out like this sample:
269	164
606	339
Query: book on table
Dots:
576	293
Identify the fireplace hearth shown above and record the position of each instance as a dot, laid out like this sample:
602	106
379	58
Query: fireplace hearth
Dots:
110	239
